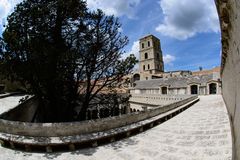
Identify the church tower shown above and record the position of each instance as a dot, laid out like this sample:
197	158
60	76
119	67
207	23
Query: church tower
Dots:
151	59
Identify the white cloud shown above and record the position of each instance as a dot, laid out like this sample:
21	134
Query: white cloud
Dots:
115	7
120	29
185	18
134	50
6	6
168	59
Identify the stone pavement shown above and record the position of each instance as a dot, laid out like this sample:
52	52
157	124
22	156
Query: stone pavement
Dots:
9	103
202	132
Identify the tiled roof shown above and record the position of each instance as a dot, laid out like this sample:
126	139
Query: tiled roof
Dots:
176	82
205	72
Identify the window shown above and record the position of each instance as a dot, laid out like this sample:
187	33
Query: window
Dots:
142	45
146	78
146	56
148	66
144	67
157	56
136	77
164	90
148	44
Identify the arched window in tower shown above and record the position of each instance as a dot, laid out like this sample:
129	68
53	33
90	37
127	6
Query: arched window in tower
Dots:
142	45
146	56
144	67
148	66
148	44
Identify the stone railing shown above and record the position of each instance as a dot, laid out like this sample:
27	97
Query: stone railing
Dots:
9	94
85	127
155	99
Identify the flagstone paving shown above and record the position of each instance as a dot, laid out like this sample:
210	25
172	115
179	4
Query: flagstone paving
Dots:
202	132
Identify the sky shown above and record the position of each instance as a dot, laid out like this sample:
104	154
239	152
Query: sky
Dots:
189	30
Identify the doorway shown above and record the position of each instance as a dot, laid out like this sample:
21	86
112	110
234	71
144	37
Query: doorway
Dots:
194	89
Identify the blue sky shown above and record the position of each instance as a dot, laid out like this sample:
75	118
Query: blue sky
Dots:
188	30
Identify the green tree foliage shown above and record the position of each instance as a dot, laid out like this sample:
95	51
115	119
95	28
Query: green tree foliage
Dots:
61	49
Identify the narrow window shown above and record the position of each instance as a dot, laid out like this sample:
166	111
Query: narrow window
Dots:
148	66
142	45
148	44
146	56
144	67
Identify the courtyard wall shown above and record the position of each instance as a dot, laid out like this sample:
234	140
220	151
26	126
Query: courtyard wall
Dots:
229	13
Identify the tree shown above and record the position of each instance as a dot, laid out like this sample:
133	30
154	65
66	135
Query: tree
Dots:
102	54
54	46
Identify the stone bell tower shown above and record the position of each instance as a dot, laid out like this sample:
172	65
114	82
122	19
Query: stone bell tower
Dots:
151	59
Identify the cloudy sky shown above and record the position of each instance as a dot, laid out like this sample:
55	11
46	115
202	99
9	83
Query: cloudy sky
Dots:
188	29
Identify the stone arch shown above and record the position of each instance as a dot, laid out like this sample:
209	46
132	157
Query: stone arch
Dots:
136	77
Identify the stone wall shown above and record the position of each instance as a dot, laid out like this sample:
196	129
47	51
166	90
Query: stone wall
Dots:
229	13
91	126
202	90
156	99
141	102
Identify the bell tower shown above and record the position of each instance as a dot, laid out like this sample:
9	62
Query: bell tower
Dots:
151	59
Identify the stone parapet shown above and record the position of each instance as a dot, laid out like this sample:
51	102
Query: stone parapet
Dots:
76	128
72	142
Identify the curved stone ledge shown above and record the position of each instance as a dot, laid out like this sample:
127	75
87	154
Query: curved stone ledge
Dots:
76	128
9	94
60	143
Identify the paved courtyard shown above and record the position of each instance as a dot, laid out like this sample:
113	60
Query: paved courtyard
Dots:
9	103
202	132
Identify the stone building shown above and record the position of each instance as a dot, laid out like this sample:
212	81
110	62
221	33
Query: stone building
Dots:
151	60
180	85
151	78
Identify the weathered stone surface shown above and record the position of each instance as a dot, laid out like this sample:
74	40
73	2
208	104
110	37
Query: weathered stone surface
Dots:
229	13
180	138
91	126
